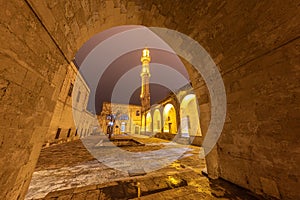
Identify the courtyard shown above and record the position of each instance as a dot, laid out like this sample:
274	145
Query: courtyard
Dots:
71	171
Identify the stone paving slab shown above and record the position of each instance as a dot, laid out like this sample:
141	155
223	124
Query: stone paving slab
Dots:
156	187
137	172
62	176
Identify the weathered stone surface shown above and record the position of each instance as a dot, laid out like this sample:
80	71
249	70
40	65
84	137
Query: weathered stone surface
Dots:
73	88
170	182
256	46
22	123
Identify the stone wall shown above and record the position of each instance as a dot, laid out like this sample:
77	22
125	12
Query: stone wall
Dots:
32	69
133	112
254	43
261	135
256	47
71	103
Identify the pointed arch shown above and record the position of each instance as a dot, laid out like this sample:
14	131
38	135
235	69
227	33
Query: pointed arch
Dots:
148	122
157	121
189	113
169	117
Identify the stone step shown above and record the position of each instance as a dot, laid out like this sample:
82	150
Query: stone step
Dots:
182	140
124	189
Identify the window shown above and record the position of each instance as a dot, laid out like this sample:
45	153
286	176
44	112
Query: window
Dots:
189	122
76	132
137	113
81	132
57	133
124	117
70	89
69	132
78	96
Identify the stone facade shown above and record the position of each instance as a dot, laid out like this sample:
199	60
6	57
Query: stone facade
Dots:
128	118
72	102
177	115
255	45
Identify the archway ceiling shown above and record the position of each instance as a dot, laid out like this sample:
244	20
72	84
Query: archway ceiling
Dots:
233	34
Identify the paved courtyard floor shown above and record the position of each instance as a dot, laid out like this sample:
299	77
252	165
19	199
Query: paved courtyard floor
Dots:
127	167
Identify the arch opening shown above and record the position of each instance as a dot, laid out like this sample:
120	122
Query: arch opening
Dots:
170	122
148	122
189	116
248	122
157	121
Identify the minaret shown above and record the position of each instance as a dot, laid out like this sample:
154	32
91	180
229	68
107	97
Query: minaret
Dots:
145	75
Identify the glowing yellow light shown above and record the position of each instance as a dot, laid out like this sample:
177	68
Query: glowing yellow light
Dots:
173	181
146	53
145	58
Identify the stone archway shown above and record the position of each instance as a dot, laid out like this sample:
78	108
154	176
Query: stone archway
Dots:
169	117
148	122
40	38
157	121
190	125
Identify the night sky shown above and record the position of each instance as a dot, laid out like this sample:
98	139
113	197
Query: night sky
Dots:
120	81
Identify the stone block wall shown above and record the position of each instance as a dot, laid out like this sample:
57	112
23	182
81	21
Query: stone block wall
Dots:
29	70
72	102
254	43
132	123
